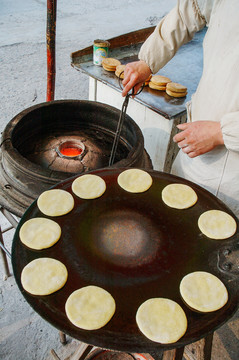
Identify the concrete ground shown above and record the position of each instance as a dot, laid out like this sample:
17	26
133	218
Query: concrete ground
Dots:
24	335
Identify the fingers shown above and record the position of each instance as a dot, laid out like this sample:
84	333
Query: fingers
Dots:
131	85
182	134
135	74
183	126
130	80
192	154
128	86
127	76
179	137
182	144
188	149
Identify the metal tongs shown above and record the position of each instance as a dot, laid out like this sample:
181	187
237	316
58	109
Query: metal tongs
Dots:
121	120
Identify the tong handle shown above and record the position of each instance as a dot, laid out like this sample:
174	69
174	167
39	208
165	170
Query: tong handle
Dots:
121	120
118	130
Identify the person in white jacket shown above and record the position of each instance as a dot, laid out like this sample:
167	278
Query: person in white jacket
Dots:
209	141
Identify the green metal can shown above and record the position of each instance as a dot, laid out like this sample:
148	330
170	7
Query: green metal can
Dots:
100	51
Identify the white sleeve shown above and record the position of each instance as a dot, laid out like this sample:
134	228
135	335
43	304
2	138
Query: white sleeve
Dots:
230	130
205	8
174	30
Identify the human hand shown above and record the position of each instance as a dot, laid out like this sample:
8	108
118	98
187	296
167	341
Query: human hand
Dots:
199	137
135	74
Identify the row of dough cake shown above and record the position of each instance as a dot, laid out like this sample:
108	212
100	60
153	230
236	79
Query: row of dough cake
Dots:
156	82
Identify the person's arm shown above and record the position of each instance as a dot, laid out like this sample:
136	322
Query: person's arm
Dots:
174	30
230	130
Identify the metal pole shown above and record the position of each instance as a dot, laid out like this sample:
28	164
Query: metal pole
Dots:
4	252
9	217
50	41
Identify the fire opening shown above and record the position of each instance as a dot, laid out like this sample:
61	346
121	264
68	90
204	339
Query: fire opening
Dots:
71	149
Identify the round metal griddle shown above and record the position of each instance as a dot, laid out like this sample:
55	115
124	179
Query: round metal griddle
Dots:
136	247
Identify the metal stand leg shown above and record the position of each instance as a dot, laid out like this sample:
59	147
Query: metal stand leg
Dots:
9	217
157	355
62	338
54	355
81	352
3	250
200	350
4	257
175	354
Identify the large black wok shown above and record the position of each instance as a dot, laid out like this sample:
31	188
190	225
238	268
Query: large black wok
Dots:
136	247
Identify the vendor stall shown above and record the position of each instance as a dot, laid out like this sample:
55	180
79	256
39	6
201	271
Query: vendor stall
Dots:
156	113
